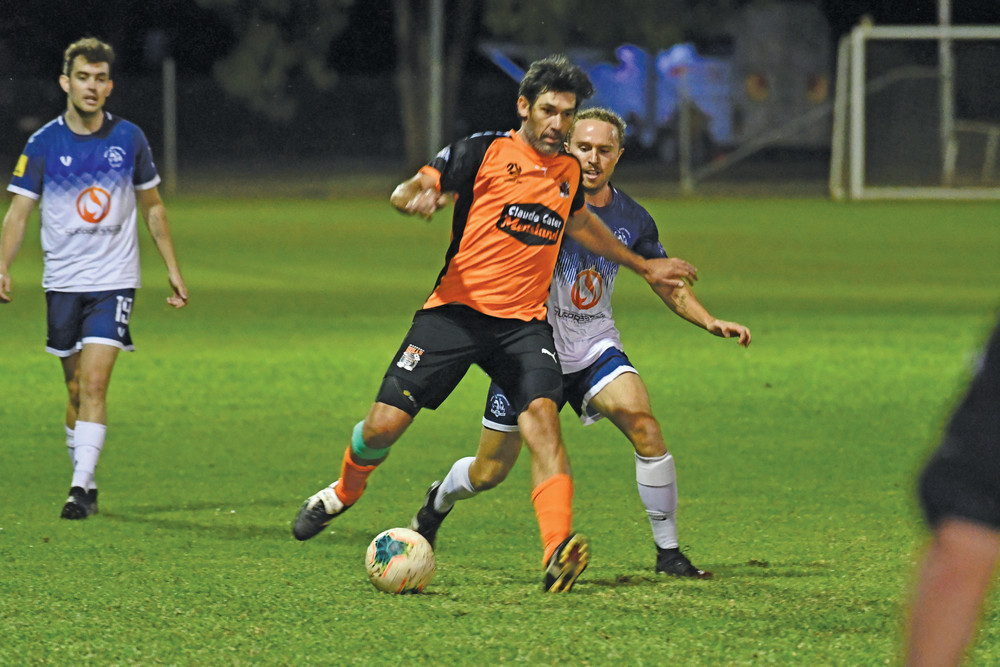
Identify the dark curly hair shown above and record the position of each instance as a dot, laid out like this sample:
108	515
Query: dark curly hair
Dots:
555	74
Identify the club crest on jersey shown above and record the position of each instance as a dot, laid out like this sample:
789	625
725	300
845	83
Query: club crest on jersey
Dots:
587	289
499	405
564	189
93	204
115	156
410	358
531	224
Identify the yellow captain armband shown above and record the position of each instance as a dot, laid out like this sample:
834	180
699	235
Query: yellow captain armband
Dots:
21	166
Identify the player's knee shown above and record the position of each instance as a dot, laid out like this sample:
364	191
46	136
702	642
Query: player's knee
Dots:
384	425
92	388
644	432
73	389
487	474
541	416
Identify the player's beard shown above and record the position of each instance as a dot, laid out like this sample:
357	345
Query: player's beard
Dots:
536	142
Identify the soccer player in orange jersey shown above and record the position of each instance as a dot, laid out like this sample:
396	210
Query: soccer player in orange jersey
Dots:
515	194
598	378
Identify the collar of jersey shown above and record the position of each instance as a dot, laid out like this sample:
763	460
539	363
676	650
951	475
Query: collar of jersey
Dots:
529	149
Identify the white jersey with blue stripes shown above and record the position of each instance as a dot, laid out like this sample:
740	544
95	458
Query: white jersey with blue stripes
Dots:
579	304
87	186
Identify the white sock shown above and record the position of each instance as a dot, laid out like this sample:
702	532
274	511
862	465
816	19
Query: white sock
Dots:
89	441
657	482
456	485
70	447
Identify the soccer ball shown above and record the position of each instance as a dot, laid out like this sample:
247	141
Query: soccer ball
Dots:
400	560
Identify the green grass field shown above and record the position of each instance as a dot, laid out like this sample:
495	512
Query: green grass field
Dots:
796	458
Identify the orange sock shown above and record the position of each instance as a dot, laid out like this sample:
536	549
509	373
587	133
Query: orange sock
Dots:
553	501
353	479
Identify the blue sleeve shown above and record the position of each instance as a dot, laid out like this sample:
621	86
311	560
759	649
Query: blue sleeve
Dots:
648	244
29	171
145	169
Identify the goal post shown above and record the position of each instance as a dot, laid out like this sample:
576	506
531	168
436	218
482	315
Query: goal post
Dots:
916	113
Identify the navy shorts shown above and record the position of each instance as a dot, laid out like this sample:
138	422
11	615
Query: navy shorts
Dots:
442	344
78	318
962	477
578	389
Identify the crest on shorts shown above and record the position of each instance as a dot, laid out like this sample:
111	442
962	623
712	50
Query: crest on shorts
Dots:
499	405
410	358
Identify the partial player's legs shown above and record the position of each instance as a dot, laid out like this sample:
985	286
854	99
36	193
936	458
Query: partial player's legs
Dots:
434	356
70	367
86	330
550	474
87	375
957	572
370	443
565	553
497	453
625	401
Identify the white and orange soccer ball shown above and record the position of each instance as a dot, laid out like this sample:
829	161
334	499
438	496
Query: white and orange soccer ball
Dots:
400	560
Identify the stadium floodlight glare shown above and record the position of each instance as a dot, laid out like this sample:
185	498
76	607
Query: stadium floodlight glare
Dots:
916	113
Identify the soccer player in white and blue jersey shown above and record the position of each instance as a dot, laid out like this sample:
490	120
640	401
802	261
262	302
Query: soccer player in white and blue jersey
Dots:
598	379
91	170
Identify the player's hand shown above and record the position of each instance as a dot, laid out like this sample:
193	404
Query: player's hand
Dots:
179	298
426	202
670	272
5	288
730	330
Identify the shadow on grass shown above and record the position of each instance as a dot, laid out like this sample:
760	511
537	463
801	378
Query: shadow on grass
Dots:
232	524
753	569
757	569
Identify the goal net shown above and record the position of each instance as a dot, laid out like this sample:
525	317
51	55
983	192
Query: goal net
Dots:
917	113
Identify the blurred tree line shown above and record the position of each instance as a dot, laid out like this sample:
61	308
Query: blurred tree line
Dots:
284	42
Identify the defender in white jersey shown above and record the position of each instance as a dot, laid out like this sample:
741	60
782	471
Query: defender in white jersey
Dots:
90	170
598	379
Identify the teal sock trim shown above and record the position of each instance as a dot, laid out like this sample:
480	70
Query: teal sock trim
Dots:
363	451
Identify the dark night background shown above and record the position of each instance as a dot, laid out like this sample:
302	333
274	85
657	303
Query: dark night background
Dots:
32	35
359	121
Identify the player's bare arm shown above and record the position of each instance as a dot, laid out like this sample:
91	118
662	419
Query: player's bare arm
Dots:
154	212
685	304
587	229
14	225
418	196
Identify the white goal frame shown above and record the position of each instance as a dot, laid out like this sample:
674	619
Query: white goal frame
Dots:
848	141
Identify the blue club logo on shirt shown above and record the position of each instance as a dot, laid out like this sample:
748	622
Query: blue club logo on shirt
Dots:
115	156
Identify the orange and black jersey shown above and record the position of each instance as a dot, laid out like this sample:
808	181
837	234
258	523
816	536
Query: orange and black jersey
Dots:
510	213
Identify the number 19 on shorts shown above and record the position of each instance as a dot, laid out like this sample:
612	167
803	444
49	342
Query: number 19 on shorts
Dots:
124	310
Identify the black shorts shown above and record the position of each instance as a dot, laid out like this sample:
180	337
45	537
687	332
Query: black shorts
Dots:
444	342
578	389
962	477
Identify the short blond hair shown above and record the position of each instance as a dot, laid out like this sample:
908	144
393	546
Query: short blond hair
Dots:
602	114
92	49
